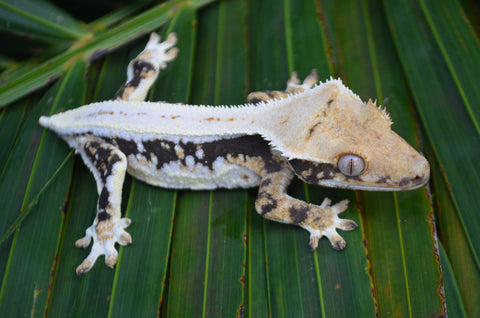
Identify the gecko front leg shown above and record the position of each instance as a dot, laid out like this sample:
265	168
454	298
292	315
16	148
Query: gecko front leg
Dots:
108	165
275	204
293	86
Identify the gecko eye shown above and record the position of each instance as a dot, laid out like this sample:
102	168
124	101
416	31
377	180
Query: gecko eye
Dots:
351	165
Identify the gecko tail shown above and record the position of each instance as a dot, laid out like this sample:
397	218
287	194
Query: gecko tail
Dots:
44	121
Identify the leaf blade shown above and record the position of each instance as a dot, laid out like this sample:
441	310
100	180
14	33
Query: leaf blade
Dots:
35	19
14	88
26	248
428	74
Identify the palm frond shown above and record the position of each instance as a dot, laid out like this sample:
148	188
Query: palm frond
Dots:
209	253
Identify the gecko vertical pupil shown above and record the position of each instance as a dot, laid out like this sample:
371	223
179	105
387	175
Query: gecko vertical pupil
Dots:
351	165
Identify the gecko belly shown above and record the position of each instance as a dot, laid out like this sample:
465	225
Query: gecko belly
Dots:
192	175
195	163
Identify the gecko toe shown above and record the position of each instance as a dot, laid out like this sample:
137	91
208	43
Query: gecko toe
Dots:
172	39
348	225
340	206
111	260
83	242
88	263
338	243
124	239
313	242
83	268
125	222
293	80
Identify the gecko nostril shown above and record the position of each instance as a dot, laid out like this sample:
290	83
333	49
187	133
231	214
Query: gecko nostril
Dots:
417	179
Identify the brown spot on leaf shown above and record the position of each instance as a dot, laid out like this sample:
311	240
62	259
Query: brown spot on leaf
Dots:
240	311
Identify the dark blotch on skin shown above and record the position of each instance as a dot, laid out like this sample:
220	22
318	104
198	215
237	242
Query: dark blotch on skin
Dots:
383	179
139	66
127	146
267	207
252	146
298	214
254	101
417	180
103	159
103	216
106	160
300	166
265	182
329	103
404	182
103	201
264	96
312	129
270	94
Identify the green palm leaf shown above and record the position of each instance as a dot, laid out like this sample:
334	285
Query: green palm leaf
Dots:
209	253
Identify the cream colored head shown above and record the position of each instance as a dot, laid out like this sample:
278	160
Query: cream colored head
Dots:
334	139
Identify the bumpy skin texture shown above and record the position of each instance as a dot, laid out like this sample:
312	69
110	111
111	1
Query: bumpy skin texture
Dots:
323	134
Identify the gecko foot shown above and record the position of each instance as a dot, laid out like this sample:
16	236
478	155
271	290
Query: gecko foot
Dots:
310	80
327	223
105	234
159	53
294	84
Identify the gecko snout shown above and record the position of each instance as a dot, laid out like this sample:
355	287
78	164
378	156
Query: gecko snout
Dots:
420	172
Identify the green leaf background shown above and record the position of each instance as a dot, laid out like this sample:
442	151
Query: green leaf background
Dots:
209	254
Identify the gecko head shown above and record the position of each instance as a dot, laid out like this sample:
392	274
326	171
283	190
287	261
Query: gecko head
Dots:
346	143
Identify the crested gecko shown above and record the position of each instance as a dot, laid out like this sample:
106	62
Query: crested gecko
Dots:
321	133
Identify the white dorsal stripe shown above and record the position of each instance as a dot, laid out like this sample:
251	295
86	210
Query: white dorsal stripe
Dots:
161	118
153	120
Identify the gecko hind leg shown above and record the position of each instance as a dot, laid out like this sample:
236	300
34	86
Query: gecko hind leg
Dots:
275	204
144	69
108	165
